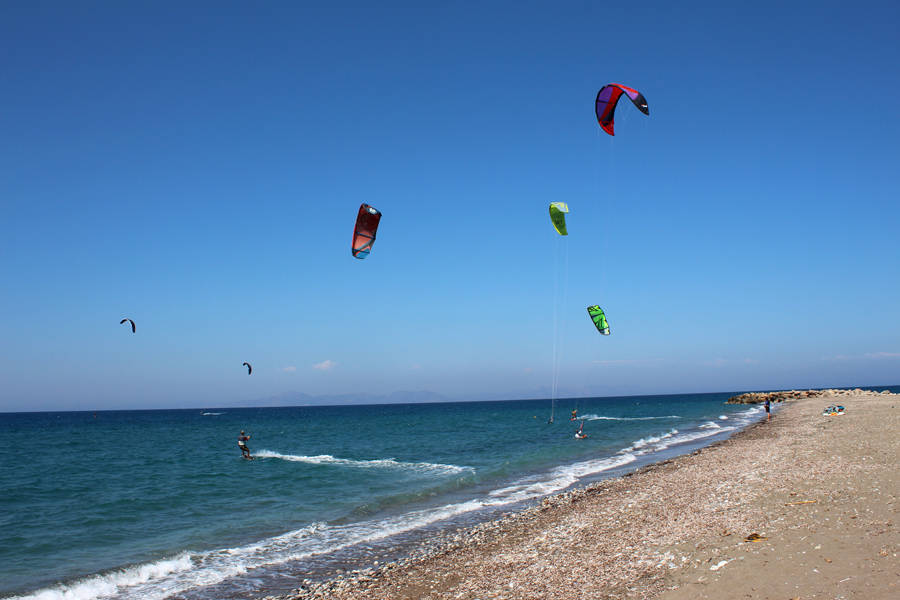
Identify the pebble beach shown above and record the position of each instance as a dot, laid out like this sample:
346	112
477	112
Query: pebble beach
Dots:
801	506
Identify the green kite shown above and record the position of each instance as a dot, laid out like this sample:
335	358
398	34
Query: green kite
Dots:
599	319
558	212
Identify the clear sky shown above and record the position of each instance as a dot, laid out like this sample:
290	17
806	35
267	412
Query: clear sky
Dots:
198	166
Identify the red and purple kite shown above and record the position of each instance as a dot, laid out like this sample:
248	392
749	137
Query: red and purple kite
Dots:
608	97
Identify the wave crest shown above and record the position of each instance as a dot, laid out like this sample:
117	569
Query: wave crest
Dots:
592	417
381	463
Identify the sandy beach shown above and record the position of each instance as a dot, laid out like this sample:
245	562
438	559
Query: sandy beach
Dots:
816	496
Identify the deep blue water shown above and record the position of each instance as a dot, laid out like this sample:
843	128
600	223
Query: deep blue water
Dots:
157	504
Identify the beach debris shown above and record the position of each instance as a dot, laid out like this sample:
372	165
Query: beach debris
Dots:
800	502
720	564
755	537
833	410
608	98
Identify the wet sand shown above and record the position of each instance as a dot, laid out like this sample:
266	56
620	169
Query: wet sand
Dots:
820	492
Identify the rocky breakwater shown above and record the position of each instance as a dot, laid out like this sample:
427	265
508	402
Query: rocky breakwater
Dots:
782	396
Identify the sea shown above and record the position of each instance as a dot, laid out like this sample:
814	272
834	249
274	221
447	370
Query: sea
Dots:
152	504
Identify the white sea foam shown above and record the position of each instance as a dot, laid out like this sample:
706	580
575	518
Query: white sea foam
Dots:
673	437
648	441
559	479
592	417
210	414
723	417
109	585
381	463
690	437
753	410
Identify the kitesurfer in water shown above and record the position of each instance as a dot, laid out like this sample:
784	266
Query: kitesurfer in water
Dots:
242	444
580	434
574	415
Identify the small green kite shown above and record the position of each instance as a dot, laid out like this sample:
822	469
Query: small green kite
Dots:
558	212
599	319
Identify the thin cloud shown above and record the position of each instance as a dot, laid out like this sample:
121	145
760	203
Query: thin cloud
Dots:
290	369
721	362
716	362
866	356
325	365
626	361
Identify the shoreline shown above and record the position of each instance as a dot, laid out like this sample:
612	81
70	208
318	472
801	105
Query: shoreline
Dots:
649	533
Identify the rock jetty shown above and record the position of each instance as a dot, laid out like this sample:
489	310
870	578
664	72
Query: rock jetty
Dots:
782	396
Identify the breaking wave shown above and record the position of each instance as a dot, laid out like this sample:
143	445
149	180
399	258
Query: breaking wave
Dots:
381	463
592	417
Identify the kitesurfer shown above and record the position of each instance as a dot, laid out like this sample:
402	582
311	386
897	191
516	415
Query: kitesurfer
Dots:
242	444
580	434
574	415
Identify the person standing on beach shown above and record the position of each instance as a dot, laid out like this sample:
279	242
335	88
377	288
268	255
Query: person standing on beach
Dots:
768	410
242	444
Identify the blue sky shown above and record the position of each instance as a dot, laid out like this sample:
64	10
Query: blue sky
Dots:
197	167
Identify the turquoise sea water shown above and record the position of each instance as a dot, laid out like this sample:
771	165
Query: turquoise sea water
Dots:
160	504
